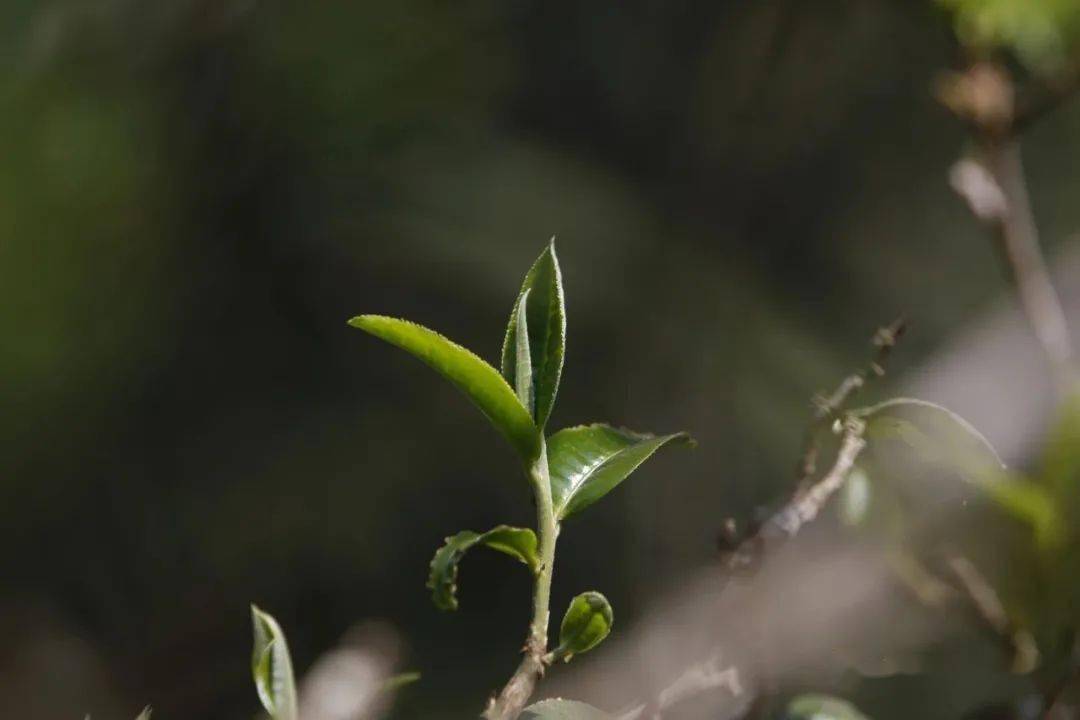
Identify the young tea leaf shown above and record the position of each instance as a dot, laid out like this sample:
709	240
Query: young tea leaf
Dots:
541	297
523	376
271	667
516	542
478	380
563	710
822	707
589	461
587	622
145	714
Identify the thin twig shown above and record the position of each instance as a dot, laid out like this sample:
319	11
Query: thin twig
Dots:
828	407
983	600
995	189
697	680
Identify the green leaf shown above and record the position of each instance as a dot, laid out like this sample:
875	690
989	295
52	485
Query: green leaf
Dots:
855	497
145	714
563	710
822	707
523	378
943	438
1061	457
517	542
474	377
589	461
395	683
542	297
271	667
586	623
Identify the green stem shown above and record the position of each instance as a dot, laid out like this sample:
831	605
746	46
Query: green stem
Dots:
511	700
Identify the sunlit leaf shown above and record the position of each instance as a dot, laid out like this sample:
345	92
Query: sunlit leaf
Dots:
542	297
271	667
478	380
523	375
586	623
822	707
563	710
589	461
519	543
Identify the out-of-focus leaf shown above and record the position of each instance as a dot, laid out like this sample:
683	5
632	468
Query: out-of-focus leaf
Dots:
395	683
1040	32
589	461
586	623
943	438
516	542
145	714
271	667
1061	458
478	380
542	298
855	497
822	707
563	710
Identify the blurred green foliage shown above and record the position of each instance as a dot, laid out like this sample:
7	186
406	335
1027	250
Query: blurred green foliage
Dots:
1042	33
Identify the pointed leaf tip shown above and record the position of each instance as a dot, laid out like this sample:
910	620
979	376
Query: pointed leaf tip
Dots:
589	461
519	543
541	297
271	667
480	382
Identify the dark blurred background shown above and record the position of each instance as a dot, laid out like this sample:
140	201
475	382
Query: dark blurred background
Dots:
195	195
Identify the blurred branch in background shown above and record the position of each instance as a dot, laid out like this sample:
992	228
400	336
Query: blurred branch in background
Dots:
350	682
994	186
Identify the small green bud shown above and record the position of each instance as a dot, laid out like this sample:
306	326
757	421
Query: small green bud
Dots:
586	623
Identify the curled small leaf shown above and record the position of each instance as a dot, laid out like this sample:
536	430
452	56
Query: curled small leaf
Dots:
587	622
271	667
516	542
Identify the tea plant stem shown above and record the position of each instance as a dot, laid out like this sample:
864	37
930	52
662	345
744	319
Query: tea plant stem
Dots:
513	697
